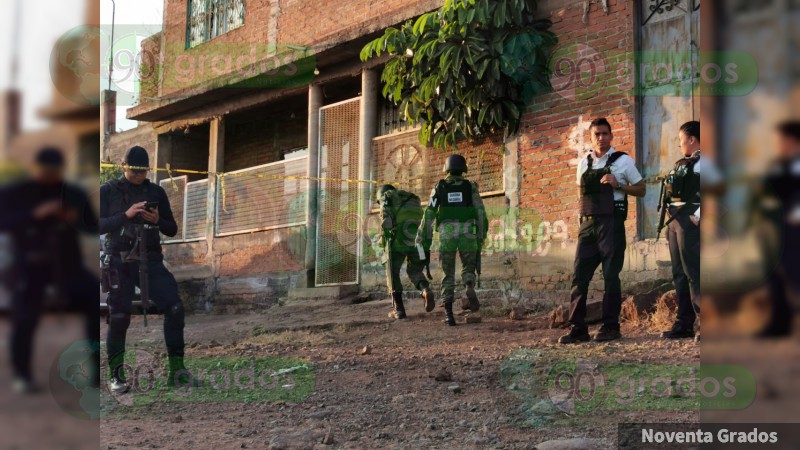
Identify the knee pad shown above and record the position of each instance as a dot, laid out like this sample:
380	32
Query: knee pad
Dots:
174	315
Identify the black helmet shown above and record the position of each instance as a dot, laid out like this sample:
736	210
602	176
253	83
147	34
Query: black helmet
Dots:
137	157
455	163
383	190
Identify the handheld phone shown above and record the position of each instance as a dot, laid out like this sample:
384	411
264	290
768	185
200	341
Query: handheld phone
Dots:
151	206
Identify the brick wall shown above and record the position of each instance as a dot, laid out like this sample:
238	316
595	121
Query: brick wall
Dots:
261	140
188	150
143	135
323	23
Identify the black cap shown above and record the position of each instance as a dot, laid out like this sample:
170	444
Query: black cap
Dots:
50	157
137	157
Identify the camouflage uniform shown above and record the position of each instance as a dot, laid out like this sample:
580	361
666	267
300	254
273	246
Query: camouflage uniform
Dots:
461	229
401	214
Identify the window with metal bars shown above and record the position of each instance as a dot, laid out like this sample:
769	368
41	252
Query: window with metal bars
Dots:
211	18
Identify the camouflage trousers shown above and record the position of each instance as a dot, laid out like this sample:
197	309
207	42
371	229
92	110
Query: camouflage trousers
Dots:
467	245
414	269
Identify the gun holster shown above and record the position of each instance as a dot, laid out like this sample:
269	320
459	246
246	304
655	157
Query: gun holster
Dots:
109	276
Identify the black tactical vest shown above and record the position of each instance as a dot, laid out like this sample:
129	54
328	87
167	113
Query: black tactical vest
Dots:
123	195
455	202
598	198
683	184
781	195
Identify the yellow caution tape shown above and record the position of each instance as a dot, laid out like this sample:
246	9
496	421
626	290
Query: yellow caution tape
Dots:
222	175
172	180
241	174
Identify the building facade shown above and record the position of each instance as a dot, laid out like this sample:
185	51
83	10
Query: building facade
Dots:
271	99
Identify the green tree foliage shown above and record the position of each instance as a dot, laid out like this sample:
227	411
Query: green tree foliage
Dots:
109	173
467	69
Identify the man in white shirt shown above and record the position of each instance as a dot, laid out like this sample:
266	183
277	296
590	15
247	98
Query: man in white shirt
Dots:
606	177
683	235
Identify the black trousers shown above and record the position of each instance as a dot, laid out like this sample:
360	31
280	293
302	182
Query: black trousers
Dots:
684	250
601	241
79	290
163	292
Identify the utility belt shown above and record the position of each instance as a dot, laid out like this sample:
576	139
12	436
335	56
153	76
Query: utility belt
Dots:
620	212
681	208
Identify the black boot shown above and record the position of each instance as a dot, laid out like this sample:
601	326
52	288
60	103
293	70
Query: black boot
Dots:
679	331
179	376
472	297
448	309
398	310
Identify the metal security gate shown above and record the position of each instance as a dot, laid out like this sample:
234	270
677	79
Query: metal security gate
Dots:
668	43
338	243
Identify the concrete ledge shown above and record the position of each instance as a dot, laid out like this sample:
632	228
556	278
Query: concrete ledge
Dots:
188	273
322	293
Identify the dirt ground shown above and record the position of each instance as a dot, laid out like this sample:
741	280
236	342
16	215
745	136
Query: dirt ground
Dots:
376	382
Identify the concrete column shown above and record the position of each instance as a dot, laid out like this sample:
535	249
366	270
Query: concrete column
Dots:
9	119
315	102
216	157
368	129
108	120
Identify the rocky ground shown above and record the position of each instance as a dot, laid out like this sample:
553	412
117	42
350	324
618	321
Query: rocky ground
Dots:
363	381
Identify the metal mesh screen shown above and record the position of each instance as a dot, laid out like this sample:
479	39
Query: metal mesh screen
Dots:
196	207
337	227
176	193
256	204
401	159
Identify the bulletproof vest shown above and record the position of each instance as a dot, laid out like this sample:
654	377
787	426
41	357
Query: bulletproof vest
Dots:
455	202
123	195
598	198
683	184
781	190
408	209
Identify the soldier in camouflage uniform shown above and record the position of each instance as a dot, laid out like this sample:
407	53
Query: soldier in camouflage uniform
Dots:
401	214
456	207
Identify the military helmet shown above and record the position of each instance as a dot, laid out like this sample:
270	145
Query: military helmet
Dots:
383	190
455	163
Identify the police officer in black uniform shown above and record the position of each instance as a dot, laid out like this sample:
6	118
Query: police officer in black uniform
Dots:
606	177
123	207
779	207
682	200
43	217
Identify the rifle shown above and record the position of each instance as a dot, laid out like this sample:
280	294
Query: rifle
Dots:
662	206
389	272
139	252
478	263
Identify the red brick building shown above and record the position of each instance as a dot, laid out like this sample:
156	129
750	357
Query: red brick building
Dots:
272	91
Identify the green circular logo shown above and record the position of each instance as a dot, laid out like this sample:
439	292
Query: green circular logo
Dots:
74	379
75	65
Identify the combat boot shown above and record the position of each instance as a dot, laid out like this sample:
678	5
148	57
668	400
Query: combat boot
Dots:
179	376
398	310
448	309
430	299
472	297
